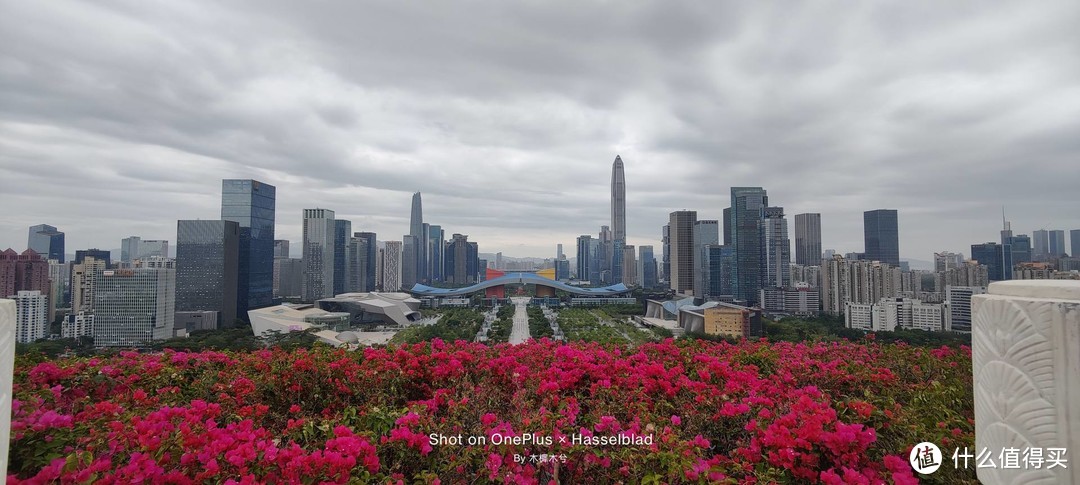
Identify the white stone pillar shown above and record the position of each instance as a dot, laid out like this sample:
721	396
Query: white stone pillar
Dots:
1026	359
7	373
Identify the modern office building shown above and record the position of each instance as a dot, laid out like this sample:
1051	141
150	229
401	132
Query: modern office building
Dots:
1041	244
629	266
281	248
135	247
462	262
959	300
647	263
391	266
665	266
808	239
357	260
1056	243
342	264
681	242
371	247
618	220
706	233
775	248
998	261
46	241
288	278
881	235
319	230
1074	241
719	267
747	204
436	248
134	307
801	299
584	257
413	272
208	268
31	315
562	269
252	204
1020	246
410	259
99	254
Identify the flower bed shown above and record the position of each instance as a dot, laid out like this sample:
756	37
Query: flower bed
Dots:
836	412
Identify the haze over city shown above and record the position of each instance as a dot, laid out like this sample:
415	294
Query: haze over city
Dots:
120	119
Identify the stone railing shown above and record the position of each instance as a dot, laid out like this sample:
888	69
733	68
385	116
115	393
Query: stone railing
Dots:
7	372
1026	359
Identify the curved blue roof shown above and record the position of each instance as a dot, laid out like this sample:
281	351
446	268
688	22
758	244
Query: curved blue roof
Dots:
519	278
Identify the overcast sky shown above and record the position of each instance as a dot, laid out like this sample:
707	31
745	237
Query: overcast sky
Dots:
118	118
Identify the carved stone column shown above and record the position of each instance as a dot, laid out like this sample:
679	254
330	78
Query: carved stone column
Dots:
1026	358
7	372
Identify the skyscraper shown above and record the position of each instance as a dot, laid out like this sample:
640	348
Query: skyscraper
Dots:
371	263
342	264
416	230
252	204
318	254
629	266
618	219
134	247
436	247
1074	240
996	259
84	279
46	241
99	254
134	307
584	257
356	247
706	232
410	259
647	263
281	248
31	312
665	246
129	249
720	264
391	263
1041	244
681	236
746	209
1021	248
207	268
881	235
808	239
1057	243
775	248
461	260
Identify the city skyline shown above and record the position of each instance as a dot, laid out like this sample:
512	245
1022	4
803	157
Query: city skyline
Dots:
512	144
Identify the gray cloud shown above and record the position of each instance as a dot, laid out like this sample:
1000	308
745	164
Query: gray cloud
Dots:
120	118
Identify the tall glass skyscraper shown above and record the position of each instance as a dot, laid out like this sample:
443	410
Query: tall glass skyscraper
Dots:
881	236
808	239
46	241
342	265
747	204
318	254
251	204
647	262
370	267
775	249
618	219
416	267
207	268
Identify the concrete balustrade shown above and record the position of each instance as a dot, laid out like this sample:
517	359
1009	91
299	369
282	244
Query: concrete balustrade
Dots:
1026	359
7	372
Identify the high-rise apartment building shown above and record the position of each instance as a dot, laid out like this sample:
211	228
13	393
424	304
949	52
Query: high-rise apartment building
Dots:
856	281
959	300
318	254
881	235
1056	243
31	315
946	260
46	241
84	279
134	307
747	204
208	268
775	248
252	205
342	264
706	233
23	272
681	241
391	264
808	239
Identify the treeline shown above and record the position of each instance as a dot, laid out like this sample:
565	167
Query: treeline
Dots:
827	328
539	327
455	324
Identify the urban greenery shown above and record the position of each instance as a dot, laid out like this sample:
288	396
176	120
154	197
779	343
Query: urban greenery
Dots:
539	326
454	324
